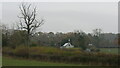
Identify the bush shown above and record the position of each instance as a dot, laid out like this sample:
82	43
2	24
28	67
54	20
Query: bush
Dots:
7	50
21	51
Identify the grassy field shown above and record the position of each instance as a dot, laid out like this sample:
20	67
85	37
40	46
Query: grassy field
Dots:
109	50
7	61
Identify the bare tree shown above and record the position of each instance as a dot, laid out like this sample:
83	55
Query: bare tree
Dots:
28	19
98	37
97	32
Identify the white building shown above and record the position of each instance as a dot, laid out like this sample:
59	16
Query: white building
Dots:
67	45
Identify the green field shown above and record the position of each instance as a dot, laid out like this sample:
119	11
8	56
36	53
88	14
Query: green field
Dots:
109	50
18	62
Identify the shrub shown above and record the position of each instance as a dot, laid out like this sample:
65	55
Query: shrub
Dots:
21	51
7	50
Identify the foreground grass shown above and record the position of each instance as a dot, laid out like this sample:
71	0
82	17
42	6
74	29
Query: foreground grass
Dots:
7	61
109	50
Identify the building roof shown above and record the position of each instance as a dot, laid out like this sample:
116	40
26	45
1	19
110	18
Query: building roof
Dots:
67	44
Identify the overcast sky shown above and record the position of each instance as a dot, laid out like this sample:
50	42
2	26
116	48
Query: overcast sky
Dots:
66	17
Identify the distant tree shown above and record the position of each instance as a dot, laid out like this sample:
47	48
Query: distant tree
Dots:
97	32
97	35
80	39
0	35
119	39
90	38
17	38
28	20
5	35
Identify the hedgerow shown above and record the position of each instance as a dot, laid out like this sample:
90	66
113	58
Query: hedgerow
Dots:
63	55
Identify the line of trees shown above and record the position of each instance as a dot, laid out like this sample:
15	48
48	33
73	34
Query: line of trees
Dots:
78	39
